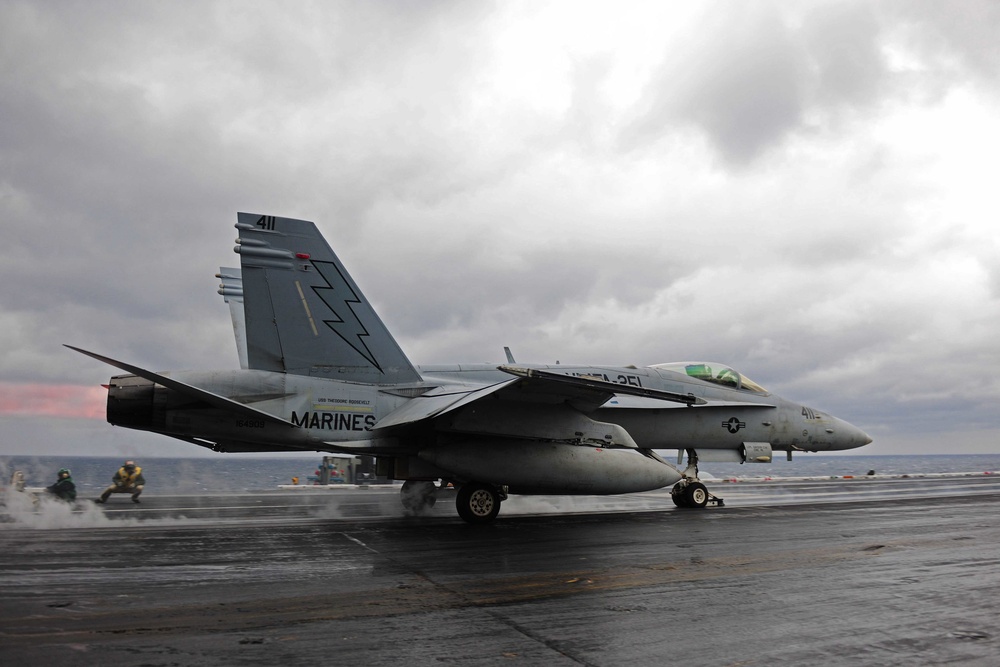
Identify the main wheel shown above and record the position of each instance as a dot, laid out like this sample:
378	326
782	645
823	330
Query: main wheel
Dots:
477	502
696	495
417	496
677	495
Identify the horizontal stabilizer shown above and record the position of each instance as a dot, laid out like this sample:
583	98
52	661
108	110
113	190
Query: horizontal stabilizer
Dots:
215	400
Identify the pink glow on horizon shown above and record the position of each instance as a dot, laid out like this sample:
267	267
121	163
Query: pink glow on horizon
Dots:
53	400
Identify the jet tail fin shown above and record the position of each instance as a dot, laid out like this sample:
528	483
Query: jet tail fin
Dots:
304	313
231	290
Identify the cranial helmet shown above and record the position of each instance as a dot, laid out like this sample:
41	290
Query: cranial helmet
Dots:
65	470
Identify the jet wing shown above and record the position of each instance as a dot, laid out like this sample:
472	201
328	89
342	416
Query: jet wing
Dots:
643	403
587	392
549	405
532	386
431	405
215	400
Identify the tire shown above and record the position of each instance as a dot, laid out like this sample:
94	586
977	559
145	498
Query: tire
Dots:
677	495
696	495
478	503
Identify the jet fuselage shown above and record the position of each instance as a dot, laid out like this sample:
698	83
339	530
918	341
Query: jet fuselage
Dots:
328	411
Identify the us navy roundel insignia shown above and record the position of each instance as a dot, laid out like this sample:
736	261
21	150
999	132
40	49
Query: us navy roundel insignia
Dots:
734	424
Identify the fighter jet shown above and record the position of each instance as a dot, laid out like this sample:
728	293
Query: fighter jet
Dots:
323	373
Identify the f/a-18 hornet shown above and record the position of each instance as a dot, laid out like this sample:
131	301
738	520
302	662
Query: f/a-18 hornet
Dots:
322	373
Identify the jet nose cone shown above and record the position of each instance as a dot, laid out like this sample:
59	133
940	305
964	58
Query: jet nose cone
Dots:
850	436
842	435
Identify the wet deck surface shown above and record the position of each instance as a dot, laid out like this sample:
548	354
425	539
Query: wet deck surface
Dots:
833	572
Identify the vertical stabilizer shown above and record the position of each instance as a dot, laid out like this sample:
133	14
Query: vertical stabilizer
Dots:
304	313
231	290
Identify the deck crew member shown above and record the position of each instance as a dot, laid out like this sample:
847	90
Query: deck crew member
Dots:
64	488
128	479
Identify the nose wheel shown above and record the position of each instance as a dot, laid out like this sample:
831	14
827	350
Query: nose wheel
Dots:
693	495
690	493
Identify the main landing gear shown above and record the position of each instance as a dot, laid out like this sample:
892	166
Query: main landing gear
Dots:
479	503
690	493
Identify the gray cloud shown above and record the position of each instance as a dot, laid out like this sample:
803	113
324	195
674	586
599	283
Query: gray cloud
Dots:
956	39
841	41
754	76
741	81
784	188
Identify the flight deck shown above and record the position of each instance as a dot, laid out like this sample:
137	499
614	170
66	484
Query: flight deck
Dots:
878	570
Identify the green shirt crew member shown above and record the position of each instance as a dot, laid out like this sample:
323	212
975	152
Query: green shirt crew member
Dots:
64	488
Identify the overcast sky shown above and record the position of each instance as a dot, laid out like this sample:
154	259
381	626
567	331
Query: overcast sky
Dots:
806	191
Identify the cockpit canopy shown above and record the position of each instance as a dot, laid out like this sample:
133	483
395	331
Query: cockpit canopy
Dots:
712	372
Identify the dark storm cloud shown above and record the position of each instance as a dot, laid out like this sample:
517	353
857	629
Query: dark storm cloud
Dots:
127	131
471	289
545	176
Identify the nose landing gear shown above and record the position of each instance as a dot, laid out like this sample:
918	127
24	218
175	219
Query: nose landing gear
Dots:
690	493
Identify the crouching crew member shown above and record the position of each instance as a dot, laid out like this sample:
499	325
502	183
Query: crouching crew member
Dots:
64	488
128	479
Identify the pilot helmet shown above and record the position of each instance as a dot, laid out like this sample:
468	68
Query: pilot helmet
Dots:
129	465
